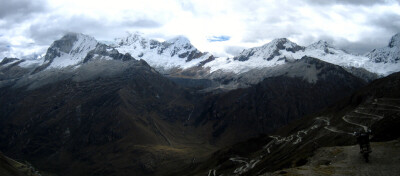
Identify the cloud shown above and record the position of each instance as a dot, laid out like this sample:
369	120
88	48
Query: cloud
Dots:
47	30
219	38
19	10
188	6
234	50
348	2
389	22
144	23
362	46
4	46
356	25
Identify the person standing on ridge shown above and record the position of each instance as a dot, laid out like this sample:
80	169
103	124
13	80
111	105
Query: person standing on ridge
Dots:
363	141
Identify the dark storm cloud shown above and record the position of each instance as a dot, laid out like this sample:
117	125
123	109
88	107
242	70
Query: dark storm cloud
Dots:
19	10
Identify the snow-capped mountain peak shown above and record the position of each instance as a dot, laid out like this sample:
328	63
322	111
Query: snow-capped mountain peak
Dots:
321	44
179	41
389	54
325	47
283	43
132	39
270	51
177	52
395	41
71	49
279	51
73	43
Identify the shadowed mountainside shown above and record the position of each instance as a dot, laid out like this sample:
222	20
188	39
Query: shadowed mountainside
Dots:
131	122
10	167
376	106
116	117
298	89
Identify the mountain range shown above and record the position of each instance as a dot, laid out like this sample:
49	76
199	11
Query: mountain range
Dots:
136	105
177	57
179	53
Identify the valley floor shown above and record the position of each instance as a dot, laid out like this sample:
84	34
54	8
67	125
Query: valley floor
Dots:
346	160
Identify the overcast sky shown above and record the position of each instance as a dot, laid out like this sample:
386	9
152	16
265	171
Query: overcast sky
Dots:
223	27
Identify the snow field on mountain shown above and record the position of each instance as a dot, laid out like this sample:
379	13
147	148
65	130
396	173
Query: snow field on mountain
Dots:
80	49
179	53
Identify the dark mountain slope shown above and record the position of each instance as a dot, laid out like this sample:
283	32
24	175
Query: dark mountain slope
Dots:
117	124
91	110
9	69
115	117
297	89
10	167
376	106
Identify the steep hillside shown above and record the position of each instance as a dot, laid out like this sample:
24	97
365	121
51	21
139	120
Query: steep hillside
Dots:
10	167
304	87
130	122
104	114
114	115
375	106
